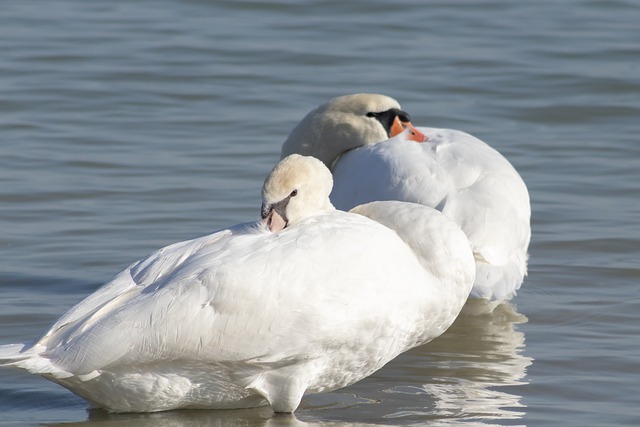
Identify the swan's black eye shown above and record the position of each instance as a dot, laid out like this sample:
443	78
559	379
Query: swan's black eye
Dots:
294	193
371	114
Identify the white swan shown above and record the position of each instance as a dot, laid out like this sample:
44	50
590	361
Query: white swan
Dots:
451	171
308	300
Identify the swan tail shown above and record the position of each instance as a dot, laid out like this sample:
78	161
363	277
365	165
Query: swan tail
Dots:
11	353
30	359
497	283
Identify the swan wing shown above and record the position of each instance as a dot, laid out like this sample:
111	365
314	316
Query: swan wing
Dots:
254	297
129	283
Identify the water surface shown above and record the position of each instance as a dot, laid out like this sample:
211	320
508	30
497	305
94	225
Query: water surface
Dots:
126	126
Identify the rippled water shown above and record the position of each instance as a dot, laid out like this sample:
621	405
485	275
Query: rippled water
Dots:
126	126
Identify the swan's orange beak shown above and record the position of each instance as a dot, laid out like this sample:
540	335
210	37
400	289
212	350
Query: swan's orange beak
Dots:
398	127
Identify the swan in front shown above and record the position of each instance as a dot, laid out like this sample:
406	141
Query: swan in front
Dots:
306	300
375	153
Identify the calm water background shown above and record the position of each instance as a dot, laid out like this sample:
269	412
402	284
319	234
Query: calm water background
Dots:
126	126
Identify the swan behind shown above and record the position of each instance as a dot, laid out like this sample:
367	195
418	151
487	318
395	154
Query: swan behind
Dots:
368	142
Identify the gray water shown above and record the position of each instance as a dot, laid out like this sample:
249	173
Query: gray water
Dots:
129	125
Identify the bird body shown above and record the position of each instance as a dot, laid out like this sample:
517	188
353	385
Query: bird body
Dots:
462	177
247	316
449	170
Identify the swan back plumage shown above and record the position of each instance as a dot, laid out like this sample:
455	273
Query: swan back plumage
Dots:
438	243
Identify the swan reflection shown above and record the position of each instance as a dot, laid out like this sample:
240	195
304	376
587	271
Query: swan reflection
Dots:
472	372
256	417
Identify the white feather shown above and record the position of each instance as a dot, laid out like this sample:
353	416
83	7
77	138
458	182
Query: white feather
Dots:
452	171
462	177
244	317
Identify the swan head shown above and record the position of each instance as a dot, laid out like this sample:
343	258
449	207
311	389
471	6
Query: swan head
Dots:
297	187
348	122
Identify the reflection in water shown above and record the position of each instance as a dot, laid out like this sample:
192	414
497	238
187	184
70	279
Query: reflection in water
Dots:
471	372
263	417
254	417
468	376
